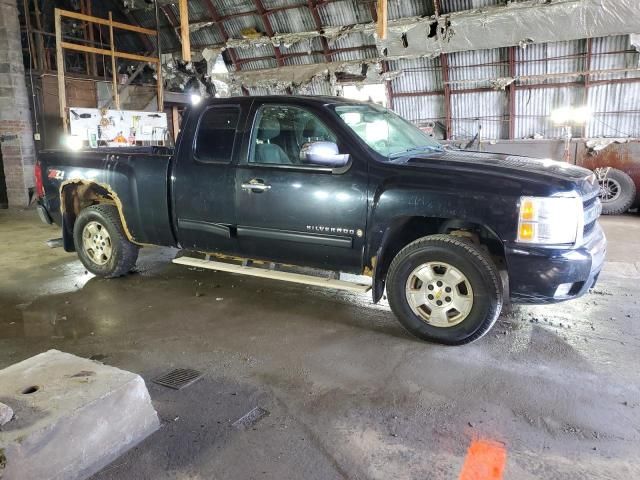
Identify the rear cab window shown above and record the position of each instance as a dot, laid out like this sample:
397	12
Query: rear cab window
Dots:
216	134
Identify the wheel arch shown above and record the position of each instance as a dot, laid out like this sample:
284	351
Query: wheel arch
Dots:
403	230
76	195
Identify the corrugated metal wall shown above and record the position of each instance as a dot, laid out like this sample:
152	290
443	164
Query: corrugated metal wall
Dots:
556	78
548	75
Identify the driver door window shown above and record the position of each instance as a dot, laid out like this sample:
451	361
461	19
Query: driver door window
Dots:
280	132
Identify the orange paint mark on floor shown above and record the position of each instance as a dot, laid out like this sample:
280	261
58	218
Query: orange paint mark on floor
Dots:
485	461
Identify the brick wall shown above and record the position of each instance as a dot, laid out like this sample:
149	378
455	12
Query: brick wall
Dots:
18	155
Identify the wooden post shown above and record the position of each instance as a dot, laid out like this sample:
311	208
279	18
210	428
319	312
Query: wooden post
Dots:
382	19
184	31
175	122
160	81
86	55
93	60
42	52
114	71
160	88
62	94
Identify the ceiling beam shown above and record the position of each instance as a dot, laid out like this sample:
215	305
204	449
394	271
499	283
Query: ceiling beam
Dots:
313	8
172	19
218	21
268	29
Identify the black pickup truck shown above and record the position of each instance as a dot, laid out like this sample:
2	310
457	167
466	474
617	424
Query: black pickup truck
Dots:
344	186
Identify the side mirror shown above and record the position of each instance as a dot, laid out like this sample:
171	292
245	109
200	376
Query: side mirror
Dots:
323	153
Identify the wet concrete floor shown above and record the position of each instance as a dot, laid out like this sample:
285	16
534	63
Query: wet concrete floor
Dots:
349	393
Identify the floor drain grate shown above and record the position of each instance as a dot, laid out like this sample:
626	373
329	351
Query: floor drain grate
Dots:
178	378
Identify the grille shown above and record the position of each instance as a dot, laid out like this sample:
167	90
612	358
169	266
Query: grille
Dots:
592	210
178	378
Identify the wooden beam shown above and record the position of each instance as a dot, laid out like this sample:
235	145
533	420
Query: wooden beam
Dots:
159	79
62	94
175	122
130	79
93	59
382	19
102	21
102	51
384	63
184	31
114	65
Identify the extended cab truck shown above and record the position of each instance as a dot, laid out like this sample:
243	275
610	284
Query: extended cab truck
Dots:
345	186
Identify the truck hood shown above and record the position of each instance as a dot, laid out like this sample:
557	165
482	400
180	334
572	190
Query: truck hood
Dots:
514	166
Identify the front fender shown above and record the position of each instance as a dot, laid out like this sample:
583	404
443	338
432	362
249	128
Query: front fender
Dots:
401	215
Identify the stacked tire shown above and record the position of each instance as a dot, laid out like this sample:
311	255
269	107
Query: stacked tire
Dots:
617	192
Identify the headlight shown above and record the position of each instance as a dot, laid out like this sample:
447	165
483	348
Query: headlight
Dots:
550	220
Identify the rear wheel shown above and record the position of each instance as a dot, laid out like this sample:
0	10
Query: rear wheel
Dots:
617	191
101	244
444	289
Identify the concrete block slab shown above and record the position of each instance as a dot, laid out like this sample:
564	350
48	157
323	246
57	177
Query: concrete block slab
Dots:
73	416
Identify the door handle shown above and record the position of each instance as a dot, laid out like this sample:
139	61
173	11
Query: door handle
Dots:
255	185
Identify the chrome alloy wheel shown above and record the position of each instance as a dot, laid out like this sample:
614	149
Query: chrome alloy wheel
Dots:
96	243
440	294
610	190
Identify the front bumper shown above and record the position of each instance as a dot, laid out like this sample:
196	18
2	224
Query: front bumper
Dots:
540	275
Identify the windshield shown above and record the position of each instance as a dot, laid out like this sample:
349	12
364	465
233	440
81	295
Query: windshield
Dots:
384	131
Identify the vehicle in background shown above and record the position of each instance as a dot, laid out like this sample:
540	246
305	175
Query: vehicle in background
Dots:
330	183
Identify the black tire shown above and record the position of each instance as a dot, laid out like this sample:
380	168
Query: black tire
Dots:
123	254
617	192
468	259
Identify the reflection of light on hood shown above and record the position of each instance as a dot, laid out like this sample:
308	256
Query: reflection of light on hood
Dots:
343	197
321	195
547	162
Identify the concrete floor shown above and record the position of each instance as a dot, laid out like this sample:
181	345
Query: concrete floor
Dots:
350	394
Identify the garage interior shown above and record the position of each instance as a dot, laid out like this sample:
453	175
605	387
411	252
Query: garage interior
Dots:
297	381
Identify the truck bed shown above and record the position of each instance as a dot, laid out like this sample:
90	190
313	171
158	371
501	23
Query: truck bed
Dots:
136	176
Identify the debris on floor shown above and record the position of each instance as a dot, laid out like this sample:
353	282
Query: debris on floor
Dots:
6	414
251	418
54	243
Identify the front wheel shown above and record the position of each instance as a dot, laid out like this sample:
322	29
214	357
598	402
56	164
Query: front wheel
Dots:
444	289
101	244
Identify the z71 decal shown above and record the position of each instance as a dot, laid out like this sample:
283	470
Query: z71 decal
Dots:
55	174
